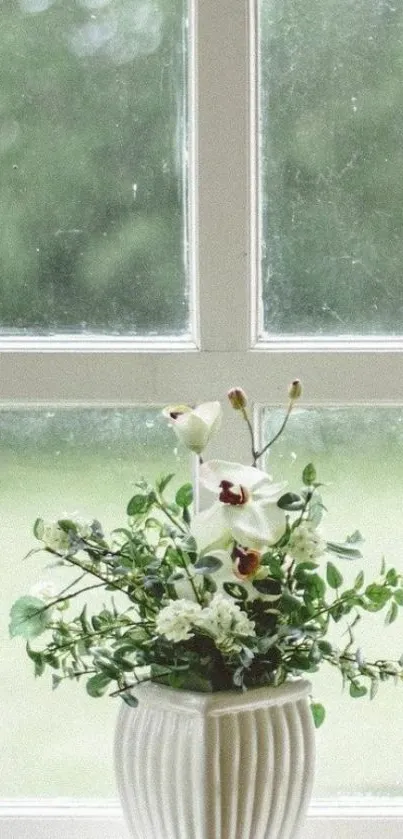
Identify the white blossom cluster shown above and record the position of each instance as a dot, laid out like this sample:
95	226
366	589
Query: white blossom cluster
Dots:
305	544
56	539
222	620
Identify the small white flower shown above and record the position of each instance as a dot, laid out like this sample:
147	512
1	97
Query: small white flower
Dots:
54	537
226	623
45	590
246	508
177	620
194	427
305	544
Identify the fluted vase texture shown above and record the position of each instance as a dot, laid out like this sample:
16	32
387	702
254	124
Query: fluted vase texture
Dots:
216	766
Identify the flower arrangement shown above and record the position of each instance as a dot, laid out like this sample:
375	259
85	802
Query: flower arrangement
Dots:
241	594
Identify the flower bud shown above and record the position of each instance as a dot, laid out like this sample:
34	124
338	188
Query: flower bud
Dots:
295	390
194	426
237	397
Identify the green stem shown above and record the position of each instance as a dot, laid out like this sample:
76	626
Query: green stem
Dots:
277	435
161	506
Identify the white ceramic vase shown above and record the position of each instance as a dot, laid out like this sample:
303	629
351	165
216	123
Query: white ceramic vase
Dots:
216	766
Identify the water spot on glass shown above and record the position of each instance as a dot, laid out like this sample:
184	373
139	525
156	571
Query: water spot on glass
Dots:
94	4
9	131
34	6
138	30
89	38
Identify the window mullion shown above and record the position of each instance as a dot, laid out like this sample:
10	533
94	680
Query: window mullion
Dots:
223	92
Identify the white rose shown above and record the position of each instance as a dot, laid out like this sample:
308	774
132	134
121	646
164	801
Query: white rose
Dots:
194	427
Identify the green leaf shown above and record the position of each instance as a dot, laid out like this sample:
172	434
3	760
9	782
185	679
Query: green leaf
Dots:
309	475
140	504
354	538
184	496
333	576
207	564
39	528
357	690
163	482
318	713
98	684
28	617
374	688
307	565
268	586
325	647
38	659
130	700
392	577
392	613
343	550
290	501
359	581
378	595
398	596
235	590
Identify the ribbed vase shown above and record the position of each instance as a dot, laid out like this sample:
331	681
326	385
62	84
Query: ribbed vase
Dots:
216	766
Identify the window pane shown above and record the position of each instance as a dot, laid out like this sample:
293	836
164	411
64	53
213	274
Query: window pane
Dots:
92	196
331	154
56	462
358	454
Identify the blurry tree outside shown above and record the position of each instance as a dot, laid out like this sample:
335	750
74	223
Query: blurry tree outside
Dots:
332	160
92	137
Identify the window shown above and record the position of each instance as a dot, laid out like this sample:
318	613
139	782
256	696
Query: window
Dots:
99	353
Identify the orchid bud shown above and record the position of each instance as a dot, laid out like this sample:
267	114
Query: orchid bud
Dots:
194	427
238	398
295	390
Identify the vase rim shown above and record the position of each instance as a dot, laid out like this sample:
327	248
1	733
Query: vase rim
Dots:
220	702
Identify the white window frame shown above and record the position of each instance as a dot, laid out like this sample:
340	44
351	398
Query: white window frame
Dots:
224	349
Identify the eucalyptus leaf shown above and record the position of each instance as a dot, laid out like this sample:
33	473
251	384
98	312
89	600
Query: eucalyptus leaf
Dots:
343	550
291	502
28	617
97	685
184	496
333	576
207	565
309	475
357	690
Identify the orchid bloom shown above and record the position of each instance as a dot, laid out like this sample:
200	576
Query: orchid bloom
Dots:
195	426
245	510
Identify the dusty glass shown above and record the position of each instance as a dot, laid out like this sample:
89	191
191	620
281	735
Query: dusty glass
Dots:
358	453
331	76
57	462
92	176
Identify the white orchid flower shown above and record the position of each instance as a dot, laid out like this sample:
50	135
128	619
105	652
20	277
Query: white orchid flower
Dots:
195	426
246	508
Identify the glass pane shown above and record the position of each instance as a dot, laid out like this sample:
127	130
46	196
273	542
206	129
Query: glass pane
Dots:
358	454
331	154
92	192
56	462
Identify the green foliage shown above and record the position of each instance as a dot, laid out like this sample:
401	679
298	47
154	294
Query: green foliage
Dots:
153	565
